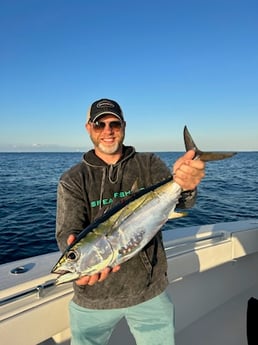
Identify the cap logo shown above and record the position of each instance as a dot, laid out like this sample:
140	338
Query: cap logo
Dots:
104	104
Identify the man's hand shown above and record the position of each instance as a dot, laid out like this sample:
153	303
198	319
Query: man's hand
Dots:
187	172
98	277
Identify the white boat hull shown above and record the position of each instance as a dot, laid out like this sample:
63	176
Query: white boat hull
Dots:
212	274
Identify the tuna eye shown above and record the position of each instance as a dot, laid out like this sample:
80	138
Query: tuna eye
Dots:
72	255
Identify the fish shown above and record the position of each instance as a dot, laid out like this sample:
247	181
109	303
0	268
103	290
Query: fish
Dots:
125	229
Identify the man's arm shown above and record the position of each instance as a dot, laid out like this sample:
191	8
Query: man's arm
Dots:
71	213
187	199
71	219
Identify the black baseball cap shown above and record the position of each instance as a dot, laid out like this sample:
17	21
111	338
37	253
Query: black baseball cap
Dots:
103	107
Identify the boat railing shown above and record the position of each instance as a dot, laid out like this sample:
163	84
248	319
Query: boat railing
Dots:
187	244
39	291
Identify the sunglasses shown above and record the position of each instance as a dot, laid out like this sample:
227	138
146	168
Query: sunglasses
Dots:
100	125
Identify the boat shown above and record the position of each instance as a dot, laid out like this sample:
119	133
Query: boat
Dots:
212	271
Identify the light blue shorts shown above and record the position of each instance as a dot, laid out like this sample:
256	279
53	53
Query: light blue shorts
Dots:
151	323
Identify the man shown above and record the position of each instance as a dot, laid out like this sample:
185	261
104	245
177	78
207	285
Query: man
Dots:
136	290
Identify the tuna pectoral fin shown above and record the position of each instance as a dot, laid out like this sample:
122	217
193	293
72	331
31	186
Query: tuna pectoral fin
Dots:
173	215
204	156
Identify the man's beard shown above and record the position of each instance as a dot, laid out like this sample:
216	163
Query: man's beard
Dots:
109	149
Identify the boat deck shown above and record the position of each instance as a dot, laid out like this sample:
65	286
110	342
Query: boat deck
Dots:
225	325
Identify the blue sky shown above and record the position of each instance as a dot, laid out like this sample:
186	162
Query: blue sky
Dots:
168	63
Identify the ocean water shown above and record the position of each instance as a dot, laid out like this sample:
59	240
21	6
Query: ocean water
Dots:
28	184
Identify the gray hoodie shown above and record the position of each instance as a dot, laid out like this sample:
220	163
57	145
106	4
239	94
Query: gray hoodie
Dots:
88	189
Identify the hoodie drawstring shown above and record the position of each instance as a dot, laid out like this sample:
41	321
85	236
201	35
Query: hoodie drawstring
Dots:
111	169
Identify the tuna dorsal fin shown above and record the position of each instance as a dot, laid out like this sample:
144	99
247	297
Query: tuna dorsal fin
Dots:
204	156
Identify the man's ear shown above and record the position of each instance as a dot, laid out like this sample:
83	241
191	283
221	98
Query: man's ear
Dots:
87	127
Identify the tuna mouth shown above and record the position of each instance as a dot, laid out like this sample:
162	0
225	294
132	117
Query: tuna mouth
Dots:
67	277
60	269
60	272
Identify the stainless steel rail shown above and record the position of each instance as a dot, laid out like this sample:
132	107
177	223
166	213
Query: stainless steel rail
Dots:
191	243
38	290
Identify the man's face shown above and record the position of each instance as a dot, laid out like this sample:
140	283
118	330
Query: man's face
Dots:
107	134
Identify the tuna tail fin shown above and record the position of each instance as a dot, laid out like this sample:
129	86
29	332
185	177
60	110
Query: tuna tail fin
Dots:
204	156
